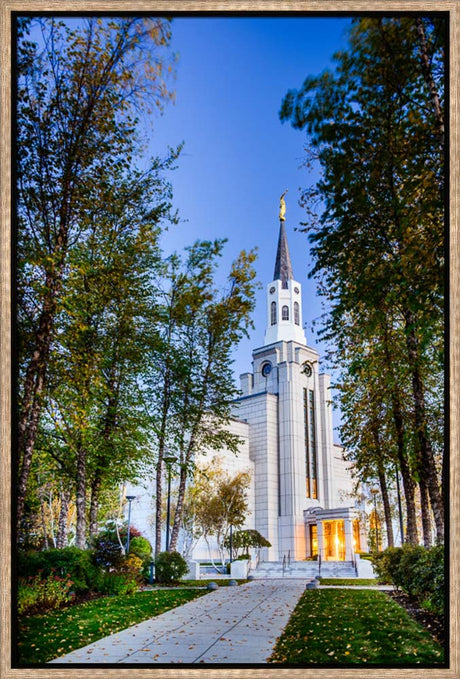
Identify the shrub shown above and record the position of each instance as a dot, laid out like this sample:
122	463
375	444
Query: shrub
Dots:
72	561
118	583
386	565
141	547
170	567
107	549
108	552
131	565
37	594
415	570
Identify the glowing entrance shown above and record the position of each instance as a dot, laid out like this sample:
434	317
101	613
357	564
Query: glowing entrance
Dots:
334	540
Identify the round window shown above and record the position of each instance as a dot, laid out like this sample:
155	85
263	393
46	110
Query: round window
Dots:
272	290
266	369
296	290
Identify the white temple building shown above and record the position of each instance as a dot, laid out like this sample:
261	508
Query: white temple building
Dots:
300	497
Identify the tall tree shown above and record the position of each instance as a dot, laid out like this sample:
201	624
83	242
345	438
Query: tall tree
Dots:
376	129
190	371
78	90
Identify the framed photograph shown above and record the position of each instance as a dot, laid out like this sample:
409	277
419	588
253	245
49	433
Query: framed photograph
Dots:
228	338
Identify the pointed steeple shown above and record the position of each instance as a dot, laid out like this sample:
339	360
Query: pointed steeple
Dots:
283	267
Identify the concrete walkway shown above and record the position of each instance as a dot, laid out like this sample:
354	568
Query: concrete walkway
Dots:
230	625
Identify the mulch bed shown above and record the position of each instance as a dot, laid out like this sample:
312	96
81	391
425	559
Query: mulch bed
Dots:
432	623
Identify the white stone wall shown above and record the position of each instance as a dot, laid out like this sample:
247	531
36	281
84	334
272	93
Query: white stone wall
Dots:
343	482
260	411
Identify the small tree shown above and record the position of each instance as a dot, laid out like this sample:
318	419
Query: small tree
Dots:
245	540
216	501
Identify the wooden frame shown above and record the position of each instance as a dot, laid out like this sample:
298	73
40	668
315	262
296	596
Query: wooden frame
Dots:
222	6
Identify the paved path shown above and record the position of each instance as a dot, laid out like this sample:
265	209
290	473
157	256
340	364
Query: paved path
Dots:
230	625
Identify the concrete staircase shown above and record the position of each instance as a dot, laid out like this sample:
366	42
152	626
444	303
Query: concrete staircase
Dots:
304	569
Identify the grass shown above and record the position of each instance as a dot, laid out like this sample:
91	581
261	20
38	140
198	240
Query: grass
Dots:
363	627
47	636
346	582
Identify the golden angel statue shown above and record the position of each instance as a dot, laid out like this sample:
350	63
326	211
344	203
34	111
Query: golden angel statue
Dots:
282	207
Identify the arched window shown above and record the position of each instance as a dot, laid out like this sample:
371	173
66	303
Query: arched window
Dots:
273	313
285	313
296	313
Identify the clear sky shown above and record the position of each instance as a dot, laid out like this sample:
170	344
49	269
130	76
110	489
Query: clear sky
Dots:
232	74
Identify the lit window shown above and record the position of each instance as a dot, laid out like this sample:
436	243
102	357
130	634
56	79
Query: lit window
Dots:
296	313
285	313
273	313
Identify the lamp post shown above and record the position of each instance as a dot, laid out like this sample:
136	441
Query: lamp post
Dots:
374	492
130	498
169	460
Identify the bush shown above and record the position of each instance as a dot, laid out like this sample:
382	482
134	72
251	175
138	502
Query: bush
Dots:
37	594
415	570
170	567
141	547
107	549
108	552
386	565
72	561
118	583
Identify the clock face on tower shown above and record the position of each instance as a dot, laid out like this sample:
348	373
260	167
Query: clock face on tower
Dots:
307	369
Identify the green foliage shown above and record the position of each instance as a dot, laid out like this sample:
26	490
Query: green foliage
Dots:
375	126
141	547
108	552
44	637
415	570
246	539
37	593
117	583
75	563
169	567
349	582
215	501
360	627
88	247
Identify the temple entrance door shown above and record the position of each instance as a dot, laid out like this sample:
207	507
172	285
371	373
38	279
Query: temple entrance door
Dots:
334	540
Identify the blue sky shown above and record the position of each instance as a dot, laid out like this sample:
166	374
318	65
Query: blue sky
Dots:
232	74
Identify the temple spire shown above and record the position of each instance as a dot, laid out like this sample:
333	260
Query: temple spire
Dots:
283	267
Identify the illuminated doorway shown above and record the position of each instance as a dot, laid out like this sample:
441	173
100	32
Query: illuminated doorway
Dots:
334	540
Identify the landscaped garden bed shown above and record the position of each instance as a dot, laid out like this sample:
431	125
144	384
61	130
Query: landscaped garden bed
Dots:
332	627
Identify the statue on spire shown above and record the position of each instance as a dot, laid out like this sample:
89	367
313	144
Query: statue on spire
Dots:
282	207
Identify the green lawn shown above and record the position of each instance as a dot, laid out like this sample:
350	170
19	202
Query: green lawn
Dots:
44	637
342	582
342	627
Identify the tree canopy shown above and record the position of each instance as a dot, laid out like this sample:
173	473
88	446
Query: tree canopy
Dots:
375	125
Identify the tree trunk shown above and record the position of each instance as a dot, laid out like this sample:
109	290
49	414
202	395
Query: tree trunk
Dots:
62	523
425	505
179	506
42	518
386	506
398	419
428	464
408	482
35	374
80	500
94	504
428	76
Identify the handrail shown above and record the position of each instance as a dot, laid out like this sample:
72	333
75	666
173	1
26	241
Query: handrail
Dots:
284	563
